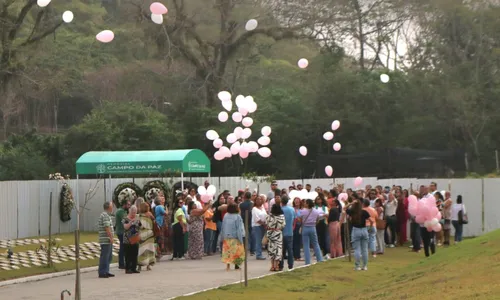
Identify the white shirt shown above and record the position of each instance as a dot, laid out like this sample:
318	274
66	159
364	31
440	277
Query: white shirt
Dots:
455	209
198	204
153	205
271	203
258	214
390	207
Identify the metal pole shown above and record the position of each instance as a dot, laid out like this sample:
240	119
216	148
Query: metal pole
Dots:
49	247
482	204
182	181
466	163
105	190
246	248
496	160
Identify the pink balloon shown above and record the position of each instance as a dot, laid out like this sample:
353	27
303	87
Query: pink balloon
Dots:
238	131
303	150
225	151
105	36
205	198
247	122
412	200
358	181
243	111
413	209
420	219
266	131
264	140
337	146
328	136
218	155
218	143
223	116
329	171
237	117
433	212
158	9
253	146
243	154
438	216
343	196
228	105
437	227
264	152
246	133
235	148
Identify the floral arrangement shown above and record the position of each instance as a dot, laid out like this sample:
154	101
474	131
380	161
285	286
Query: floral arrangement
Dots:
66	200
127	191
152	188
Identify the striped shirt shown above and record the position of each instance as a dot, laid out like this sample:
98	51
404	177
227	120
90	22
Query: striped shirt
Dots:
104	222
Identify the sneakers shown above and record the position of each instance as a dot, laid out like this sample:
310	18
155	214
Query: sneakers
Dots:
365	269
391	246
357	269
327	256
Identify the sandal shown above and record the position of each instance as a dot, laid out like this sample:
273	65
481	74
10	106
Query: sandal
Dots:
272	269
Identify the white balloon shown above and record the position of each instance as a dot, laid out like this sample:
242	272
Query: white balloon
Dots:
240	101
303	150
384	78
312	195
224	96
223	116
211	190
328	136
43	3
264	152
252	107
247	132
303	63
237	117
247	122
245	147
212	134
253	146
202	190
243	111
67	16
238	131
231	138
228	105
251	25
158	19
235	148
264	140
266	131
335	125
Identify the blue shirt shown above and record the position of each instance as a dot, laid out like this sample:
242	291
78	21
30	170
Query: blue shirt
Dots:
159	214
245	206
289	213
232	228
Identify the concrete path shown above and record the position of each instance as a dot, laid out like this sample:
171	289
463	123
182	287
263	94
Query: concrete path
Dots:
167	279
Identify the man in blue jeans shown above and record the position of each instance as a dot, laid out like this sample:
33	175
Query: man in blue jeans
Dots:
289	213
106	235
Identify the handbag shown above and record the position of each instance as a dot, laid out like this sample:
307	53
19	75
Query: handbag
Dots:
156	229
134	239
380	224
303	221
462	216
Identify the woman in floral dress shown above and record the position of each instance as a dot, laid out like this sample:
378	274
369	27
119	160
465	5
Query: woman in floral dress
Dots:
275	223
195	238
231	237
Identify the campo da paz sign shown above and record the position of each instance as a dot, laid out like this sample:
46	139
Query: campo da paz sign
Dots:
159	167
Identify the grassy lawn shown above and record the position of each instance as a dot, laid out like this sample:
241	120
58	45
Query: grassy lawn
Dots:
466	271
67	239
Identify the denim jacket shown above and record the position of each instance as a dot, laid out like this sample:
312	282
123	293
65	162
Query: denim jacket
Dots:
232	228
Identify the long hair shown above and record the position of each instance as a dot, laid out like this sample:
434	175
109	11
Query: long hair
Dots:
356	211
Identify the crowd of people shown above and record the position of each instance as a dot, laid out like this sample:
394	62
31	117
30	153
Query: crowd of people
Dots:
328	222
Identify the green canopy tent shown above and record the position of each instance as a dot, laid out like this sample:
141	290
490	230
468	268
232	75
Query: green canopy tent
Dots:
142	162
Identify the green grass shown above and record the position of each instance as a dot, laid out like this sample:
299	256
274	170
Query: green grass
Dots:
465	271
67	239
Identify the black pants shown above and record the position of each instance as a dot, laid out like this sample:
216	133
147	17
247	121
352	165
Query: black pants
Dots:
428	239
131	252
178	241
321	231
415	235
342	235
392	224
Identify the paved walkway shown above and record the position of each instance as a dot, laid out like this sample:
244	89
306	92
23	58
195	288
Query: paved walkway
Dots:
167	279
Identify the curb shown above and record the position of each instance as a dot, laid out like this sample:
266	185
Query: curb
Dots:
253	278
50	275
